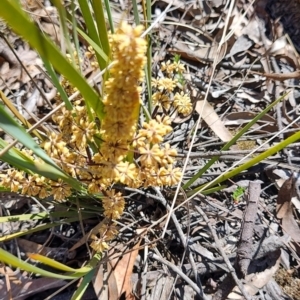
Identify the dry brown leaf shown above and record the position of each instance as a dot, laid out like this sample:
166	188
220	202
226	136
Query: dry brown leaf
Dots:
113	288
59	254
100	288
242	44
118	276
22	287
122	270
206	111
267	123
284	210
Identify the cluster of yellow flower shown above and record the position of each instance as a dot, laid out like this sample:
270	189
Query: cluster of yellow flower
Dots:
114	151
34	185
167	95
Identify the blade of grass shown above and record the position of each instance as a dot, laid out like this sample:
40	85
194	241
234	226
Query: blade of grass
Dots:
57	265
10	259
37	228
63	27
89	21
19	160
295	137
75	35
109	15
232	142
92	32
213	190
149	57
57	84
93	263
16	158
101	25
136	12
95	46
102	30
147	68
83	285
43	215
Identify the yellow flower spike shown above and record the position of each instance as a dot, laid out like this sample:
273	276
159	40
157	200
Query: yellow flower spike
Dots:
162	100
94	187
98	245
122	101
168	84
174	175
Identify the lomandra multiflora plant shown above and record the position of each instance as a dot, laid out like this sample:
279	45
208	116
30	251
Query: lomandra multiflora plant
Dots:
117	150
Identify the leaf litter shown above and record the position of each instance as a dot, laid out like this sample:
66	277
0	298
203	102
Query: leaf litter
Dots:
239	61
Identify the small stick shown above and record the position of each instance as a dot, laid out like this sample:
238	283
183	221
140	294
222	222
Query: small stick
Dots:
244	248
278	76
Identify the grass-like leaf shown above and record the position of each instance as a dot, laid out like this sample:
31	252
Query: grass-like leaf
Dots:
57	265
57	84
101	29
93	35
295	137
43	215
83	285
109	15
39	228
95	46
231	142
93	263
10	259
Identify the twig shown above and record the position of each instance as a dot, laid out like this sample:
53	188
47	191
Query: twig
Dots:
244	250
278	76
267	248
191	283
218	153
183	241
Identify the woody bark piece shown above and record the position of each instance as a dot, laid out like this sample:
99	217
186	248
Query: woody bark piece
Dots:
245	249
